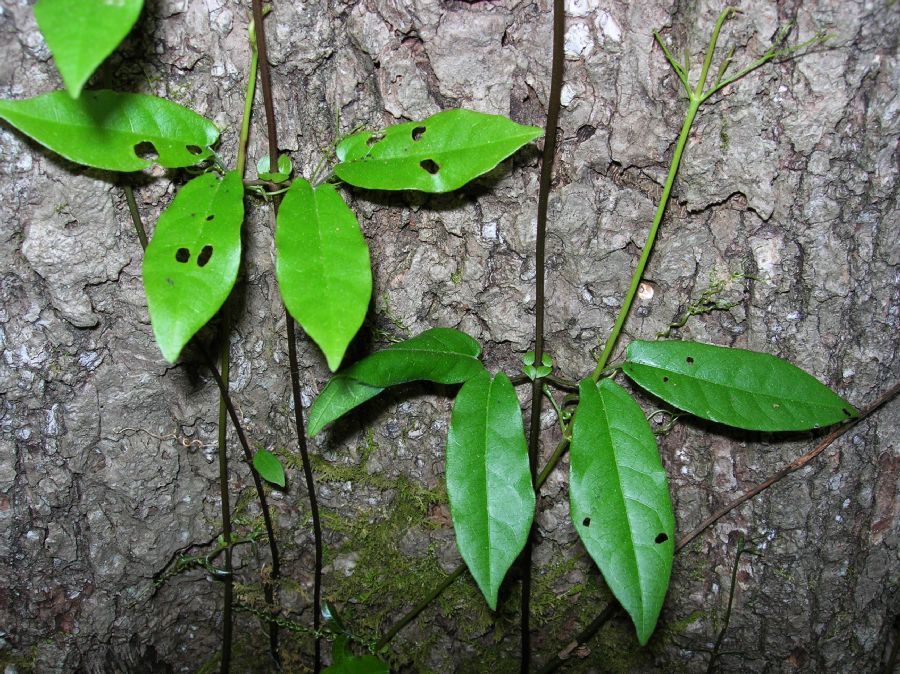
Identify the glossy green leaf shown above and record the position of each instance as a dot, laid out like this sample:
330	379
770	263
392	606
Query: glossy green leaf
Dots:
192	261
82	34
322	266
619	500
489	480
340	395
744	389
439	154
285	166
104	129
269	467
441	355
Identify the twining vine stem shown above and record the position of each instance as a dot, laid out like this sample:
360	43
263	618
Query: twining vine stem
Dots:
534	433
272	133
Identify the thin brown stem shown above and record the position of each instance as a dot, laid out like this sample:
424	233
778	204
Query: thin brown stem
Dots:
537	384
265	81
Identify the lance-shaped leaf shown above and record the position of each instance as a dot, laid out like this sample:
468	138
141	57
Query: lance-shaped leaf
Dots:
439	154
441	355
619	500
322	266
192	262
340	395
489	480
740	388
82	34
107	129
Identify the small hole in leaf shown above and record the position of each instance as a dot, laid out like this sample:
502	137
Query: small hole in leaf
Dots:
210	217
846	411
194	149
775	406
430	166
690	360
586	521
372	140
204	256
182	255
146	150
417	132
665	379
661	538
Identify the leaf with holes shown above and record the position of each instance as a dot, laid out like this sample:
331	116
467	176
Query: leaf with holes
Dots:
340	395
439	154
744	389
489	480
192	262
107	129
269	467
82	34
322	265
441	355
619	500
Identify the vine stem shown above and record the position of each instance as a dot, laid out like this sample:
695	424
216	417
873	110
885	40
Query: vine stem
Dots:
272	133
534	433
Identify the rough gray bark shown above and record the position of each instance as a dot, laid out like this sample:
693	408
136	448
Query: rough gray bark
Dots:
107	456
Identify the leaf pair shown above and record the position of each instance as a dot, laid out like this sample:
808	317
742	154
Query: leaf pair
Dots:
619	498
323	264
488	476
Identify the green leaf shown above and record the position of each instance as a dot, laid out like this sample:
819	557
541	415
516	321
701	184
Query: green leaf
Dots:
104	129
357	664
269	467
744	389
441	355
82	34
192	262
340	395
285	166
619	500
322	265
489	480
439	154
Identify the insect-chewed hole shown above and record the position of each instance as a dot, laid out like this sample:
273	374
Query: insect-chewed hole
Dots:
146	150
586	521
661	538
690	360
430	165
665	380
204	255
210	217
846	411
417	132
182	255
372	140
194	149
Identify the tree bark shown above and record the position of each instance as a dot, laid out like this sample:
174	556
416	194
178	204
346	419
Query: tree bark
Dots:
787	194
